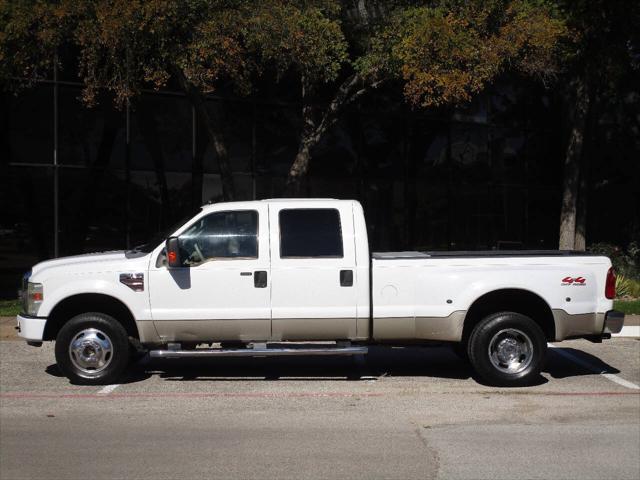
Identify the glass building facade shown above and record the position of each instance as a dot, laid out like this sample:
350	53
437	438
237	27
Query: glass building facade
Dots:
484	176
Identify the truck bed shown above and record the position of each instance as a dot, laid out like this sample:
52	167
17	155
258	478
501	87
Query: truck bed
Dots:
426	295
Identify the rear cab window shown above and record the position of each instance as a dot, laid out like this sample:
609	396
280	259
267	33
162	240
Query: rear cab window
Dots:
310	233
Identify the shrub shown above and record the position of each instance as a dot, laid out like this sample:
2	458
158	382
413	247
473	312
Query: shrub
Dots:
627	287
625	261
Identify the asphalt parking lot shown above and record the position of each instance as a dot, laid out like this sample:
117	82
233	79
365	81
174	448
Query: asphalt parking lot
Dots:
404	413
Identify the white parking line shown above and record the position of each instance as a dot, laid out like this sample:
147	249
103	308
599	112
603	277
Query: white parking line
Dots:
108	389
609	376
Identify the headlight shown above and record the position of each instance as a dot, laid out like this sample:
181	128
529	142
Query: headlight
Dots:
35	295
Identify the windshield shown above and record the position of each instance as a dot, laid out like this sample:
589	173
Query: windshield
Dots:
162	235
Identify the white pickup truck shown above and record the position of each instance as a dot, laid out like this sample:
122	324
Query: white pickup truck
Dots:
253	278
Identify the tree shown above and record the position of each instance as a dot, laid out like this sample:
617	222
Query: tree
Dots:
441	52
125	46
30	32
599	58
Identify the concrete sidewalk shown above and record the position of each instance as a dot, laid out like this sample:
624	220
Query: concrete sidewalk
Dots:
631	328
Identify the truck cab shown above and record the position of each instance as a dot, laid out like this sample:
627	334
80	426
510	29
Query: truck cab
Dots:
263	271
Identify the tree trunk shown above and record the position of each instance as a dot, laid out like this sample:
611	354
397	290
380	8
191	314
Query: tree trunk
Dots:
34	218
92	187
418	141
308	140
197	181
211	122
151	137
572	168
585	175
580	242
219	144
197	171
348	91
299	168
450	196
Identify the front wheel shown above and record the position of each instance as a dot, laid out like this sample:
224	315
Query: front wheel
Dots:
92	349
507	349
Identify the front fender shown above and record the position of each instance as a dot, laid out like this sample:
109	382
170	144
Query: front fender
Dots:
57	291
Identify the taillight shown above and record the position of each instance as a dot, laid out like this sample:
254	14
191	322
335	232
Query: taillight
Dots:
610	286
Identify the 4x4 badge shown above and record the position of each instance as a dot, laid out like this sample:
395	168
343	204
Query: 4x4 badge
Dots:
574	281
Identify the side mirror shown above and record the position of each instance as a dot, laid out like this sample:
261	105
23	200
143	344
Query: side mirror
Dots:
173	252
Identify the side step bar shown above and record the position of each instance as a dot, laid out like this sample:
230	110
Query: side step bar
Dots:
256	352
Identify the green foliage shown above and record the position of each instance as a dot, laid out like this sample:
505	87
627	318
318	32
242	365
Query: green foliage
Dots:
604	39
448	51
305	36
628	307
627	287
444	51
30	33
626	262
9	308
125	45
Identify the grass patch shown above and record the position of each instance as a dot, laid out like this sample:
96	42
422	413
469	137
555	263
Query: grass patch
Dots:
628	307
9	308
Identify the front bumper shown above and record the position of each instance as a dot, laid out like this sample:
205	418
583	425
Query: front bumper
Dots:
31	328
613	322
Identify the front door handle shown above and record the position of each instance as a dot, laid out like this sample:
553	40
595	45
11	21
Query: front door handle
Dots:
346	278
260	279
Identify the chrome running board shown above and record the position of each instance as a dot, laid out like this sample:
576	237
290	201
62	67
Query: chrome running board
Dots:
256	352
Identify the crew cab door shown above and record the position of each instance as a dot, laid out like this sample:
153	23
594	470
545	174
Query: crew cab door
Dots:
222	290
313	294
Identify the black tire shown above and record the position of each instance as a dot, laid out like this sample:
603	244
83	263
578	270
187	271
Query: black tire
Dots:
507	349
100	345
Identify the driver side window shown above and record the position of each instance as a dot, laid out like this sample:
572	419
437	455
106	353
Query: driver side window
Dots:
220	235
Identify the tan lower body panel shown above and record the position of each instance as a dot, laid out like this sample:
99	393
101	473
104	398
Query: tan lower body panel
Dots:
147	332
244	330
256	329
313	329
362	328
393	328
568	325
420	328
283	329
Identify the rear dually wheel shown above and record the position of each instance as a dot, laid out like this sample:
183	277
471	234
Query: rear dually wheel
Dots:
507	349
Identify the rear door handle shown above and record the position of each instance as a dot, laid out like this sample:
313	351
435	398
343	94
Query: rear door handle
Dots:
260	279
346	278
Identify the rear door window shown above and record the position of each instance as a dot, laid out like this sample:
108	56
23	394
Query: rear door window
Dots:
310	233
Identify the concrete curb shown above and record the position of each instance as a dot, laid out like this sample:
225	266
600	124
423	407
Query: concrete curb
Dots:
631	331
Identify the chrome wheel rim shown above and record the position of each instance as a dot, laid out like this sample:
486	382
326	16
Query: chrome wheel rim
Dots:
91	351
511	351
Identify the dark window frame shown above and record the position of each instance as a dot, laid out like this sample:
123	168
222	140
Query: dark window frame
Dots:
292	257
